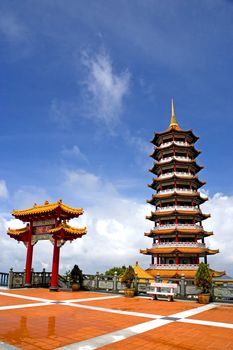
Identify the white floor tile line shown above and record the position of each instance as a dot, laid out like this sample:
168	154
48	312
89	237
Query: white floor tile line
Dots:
195	311
125	333
207	323
92	299
114	337
114	311
22	306
26	297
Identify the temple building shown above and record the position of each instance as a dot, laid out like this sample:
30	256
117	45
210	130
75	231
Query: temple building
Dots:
48	221
178	234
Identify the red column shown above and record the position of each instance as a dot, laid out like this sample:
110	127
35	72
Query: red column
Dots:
177	259
55	266
177	238
29	258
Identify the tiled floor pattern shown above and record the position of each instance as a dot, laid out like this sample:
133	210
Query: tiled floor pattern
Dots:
39	319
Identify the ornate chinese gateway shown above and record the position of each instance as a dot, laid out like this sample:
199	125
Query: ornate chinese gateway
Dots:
178	234
48	221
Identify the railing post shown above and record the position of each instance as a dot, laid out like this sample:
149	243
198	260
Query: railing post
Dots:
43	277
97	281
157	278
10	278
182	286
24	277
115	282
136	283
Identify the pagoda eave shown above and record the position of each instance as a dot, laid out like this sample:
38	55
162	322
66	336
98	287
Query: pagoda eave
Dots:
179	250
181	231
172	273
169	130
197	214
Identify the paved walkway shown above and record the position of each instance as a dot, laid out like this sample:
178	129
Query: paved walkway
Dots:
39	319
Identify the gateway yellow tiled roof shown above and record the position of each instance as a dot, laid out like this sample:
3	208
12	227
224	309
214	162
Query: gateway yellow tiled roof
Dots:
46	208
17	232
69	229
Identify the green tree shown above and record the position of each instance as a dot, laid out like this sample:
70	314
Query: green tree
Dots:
119	270
128	276
203	278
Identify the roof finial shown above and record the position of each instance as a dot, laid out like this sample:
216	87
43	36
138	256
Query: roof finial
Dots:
173	121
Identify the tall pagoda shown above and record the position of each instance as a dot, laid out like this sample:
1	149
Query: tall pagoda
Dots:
178	234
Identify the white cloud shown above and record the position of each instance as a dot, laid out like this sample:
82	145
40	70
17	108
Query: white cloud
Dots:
104	89
221	223
15	32
74	152
3	189
116	226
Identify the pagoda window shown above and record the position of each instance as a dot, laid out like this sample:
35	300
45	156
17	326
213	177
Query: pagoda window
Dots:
181	154
167	155
180	139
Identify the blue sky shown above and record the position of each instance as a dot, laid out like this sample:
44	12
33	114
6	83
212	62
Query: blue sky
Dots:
83	87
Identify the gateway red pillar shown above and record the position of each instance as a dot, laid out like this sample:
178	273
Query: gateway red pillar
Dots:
29	258
55	266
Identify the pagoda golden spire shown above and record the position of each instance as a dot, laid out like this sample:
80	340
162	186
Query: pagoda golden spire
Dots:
173	122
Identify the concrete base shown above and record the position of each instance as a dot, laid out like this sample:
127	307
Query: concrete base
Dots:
53	289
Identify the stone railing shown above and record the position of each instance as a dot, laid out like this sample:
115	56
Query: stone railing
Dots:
174	266
177	190
38	279
189	226
177	207
222	289
167	159
179	143
179	244
4	279
167	175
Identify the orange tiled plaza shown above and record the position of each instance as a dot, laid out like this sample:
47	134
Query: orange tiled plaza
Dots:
39	319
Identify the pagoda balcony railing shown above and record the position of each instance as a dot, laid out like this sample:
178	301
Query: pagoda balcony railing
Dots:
189	226
167	159
179	143
178	207
179	244
174	266
175	173
178	190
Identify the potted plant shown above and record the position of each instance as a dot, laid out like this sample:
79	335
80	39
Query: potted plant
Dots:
203	280
76	278
127	279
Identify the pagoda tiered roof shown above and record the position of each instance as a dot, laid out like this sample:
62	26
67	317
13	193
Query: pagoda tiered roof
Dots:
200	232
196	196
194	179
160	149
160	214
181	250
178	273
63	210
175	160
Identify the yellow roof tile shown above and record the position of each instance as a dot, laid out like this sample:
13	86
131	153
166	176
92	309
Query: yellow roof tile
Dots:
47	208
